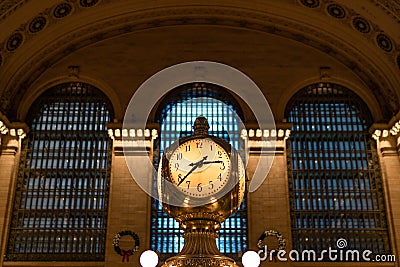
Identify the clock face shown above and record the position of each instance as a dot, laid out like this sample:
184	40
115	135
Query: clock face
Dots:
199	167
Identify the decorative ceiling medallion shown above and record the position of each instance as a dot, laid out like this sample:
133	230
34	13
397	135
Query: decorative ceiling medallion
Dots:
62	10
14	41
336	11
37	24
88	3
384	42
361	25
310	3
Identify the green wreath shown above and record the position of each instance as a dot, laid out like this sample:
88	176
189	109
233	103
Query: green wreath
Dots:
279	236
126	253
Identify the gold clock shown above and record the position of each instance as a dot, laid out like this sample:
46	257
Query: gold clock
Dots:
199	167
201	181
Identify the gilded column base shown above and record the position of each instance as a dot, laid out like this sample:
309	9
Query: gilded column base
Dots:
200	261
200	248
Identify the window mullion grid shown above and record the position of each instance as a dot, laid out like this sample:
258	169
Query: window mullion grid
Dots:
66	160
41	209
41	190
352	132
325	212
31	213
343	175
318	177
86	192
84	187
352	169
348	170
336	163
297	176
302	191
35	210
299	172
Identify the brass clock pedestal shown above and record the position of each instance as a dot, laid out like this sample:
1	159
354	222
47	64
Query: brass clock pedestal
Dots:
200	249
201	222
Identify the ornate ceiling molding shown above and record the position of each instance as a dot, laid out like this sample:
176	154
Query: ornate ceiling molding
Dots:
391	7
371	31
31	28
368	29
240	18
7	7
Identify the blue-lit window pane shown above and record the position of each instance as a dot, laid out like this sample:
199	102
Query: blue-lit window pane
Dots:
61	196
176	117
335	183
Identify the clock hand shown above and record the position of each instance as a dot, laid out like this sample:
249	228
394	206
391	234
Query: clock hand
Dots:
195	166
199	162
214	161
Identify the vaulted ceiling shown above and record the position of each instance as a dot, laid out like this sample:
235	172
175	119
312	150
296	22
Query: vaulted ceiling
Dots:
280	44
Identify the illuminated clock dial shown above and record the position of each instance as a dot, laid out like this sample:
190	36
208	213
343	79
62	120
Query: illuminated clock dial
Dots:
199	167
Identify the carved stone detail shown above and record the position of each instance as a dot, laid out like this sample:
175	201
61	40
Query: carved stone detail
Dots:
336	11
197	16
310	3
384	42
361	25
88	3
391	7
10	6
204	262
14	41
37	24
62	10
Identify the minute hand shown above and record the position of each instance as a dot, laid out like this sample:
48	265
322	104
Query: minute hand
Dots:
214	161
195	166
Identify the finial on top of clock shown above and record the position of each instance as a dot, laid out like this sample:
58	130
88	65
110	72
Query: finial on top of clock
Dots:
201	125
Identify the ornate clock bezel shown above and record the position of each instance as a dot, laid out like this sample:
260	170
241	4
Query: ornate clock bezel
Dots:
172	194
202	176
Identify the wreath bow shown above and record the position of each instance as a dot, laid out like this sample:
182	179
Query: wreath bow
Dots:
125	254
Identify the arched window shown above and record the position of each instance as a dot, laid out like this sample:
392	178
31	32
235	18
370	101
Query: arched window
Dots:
335	182
176	115
61	196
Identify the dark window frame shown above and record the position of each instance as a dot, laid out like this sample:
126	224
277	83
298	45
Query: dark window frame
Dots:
62	189
335	182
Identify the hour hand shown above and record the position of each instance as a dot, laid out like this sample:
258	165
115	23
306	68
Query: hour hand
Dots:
195	166
199	162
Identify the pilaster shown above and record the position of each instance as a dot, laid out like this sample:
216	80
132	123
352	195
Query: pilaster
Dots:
129	206
388	147
269	207
11	135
